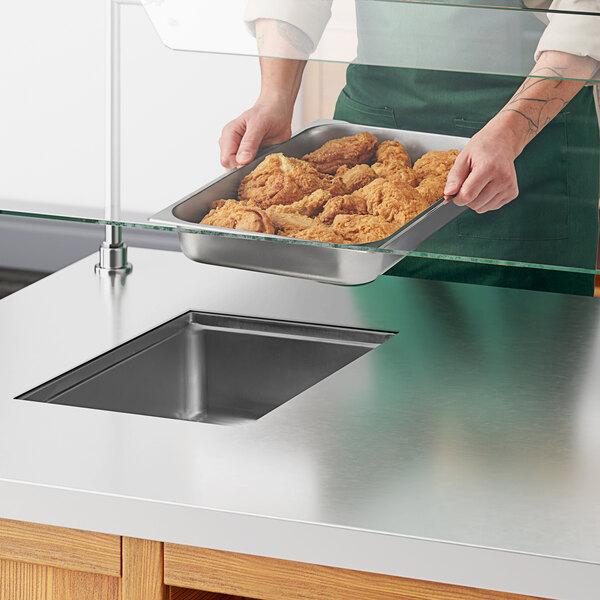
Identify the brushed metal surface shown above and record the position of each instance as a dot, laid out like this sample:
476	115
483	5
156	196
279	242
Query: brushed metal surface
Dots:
210	368
311	260
465	449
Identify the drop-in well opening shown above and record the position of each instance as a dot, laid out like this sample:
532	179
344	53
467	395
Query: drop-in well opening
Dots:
210	368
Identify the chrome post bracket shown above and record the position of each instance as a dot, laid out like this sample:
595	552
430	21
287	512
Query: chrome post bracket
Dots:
113	254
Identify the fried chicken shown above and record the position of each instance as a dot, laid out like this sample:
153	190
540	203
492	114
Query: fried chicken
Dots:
309	206
360	229
432	188
392	200
281	180
320	233
348	180
349	151
397	172
239	215
436	162
393	152
288	223
333	195
393	162
352	204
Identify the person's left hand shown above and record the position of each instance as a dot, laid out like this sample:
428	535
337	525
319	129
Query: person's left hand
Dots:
483	176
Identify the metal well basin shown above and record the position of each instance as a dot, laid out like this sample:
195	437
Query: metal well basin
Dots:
210	368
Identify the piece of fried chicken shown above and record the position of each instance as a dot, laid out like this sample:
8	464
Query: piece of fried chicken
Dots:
351	204
320	233
348	180
239	215
432	188
349	151
279	179
436	162
309	206
393	162
286	223
393	152
361	229
394	201
395	171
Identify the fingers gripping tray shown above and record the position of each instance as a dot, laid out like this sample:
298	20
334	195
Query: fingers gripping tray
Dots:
332	263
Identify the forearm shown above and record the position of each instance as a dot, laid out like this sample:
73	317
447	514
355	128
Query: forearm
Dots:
554	81
484	176
281	77
269	120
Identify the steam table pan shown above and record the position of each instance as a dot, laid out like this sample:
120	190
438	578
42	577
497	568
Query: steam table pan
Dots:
331	263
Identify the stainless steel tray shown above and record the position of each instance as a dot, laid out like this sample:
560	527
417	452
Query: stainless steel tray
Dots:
330	263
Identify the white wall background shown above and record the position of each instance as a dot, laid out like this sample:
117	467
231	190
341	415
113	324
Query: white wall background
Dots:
52	108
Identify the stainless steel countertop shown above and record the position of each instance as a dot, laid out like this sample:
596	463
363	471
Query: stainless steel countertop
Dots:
465	450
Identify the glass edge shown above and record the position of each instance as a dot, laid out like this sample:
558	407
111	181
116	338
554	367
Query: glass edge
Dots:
287	240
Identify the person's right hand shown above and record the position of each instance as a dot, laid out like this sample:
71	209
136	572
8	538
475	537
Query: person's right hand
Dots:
264	124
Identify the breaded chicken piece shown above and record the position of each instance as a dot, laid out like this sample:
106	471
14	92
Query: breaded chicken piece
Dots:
309	206
320	233
395	171
360	229
349	151
239	215
352	204
281	180
348	180
288	223
393	152
392	200
436	162
432	188
219	203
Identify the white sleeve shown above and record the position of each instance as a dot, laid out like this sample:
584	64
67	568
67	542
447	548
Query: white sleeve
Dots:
310	16
577	34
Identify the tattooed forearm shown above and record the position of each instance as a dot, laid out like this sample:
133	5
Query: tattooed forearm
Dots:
542	96
538	112
548	71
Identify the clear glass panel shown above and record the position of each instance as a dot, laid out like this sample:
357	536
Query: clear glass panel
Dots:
458	84
486	37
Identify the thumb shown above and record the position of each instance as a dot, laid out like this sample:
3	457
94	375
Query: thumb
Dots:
253	136
458	174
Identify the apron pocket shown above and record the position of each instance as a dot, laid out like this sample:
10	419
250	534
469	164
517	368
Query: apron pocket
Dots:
472	126
348	109
541	211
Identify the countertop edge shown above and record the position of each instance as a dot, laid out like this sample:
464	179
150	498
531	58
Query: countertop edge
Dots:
328	545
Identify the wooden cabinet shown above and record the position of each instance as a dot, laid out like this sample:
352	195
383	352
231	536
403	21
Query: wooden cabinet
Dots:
40	562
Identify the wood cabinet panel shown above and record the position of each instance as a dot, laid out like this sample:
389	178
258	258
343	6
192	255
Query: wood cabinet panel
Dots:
143	570
273	579
59	547
182	594
25	581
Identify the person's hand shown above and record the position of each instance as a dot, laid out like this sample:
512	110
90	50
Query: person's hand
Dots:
483	176
264	124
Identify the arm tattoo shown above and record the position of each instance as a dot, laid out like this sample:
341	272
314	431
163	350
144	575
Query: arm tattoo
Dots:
538	112
297	38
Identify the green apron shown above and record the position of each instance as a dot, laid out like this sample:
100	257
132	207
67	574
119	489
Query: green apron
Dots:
554	221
